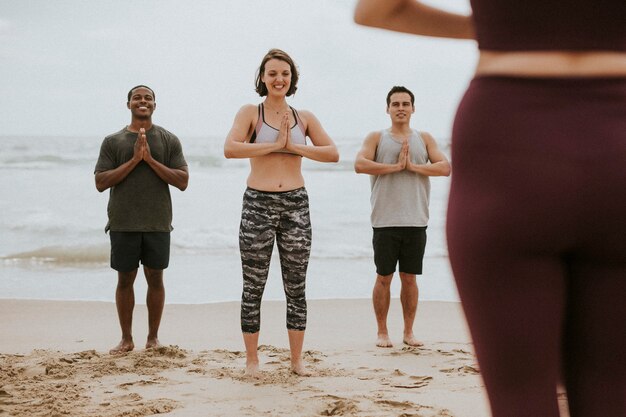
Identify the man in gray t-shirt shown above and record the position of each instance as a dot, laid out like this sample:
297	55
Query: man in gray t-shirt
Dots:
400	161
138	164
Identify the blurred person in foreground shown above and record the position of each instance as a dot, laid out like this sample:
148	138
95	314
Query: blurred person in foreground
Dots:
536	227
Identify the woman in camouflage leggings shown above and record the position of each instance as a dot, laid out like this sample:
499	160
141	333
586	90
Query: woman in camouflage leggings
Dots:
275	204
265	217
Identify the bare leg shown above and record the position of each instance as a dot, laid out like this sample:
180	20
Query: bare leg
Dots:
251	341
296	341
409	295
125	302
381	298
155	301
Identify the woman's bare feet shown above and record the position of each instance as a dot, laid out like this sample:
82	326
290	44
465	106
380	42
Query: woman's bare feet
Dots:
123	347
412	341
299	369
252	369
383	341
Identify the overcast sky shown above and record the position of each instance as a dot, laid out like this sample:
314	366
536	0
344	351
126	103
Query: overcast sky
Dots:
66	66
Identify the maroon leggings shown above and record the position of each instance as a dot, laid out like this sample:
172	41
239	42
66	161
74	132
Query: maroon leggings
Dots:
537	240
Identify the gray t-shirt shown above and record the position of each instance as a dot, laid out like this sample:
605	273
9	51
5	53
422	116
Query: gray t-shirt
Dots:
141	202
400	199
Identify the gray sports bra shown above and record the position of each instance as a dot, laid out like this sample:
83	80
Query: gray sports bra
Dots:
264	133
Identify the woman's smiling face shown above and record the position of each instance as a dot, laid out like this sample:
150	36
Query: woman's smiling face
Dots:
277	76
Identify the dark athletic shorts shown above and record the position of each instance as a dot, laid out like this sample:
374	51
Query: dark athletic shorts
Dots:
399	245
129	248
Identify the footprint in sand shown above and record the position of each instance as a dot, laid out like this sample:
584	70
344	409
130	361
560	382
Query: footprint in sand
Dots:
141	382
132	397
338	406
415	382
411	350
462	370
148	408
416	410
171	351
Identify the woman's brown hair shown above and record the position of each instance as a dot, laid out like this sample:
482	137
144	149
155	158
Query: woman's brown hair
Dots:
282	56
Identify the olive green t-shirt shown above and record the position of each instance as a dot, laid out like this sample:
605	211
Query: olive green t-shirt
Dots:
141	202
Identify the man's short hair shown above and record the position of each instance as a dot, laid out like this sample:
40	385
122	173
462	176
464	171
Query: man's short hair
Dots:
400	89
130	93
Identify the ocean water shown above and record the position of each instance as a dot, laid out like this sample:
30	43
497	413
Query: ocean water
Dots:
53	245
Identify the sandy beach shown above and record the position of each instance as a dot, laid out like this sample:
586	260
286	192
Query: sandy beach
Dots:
54	361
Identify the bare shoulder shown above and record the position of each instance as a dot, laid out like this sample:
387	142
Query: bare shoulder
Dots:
248	110
426	135
434	153
311	123
307	116
370	144
244	122
373	137
305	113
246	116
428	138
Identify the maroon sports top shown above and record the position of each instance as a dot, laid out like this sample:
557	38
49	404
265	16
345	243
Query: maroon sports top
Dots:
569	25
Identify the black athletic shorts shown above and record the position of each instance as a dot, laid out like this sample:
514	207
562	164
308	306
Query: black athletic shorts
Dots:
399	245
129	248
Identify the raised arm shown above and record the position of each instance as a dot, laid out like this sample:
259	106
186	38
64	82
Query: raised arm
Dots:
324	149
365	163
237	145
178	177
438	166
111	177
411	16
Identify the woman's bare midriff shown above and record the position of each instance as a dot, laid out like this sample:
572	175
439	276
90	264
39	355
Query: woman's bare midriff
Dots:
276	172
552	64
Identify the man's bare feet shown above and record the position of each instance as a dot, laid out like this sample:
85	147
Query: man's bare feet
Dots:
384	341
412	341
299	369
123	347
153	343
252	370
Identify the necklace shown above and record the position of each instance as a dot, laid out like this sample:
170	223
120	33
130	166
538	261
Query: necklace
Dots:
275	110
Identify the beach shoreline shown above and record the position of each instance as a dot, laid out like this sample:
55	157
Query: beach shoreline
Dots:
54	357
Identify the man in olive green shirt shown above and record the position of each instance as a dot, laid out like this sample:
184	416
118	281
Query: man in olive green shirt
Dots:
138	164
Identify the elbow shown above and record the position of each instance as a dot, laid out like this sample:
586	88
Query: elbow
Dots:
100	186
184	182
372	15
331	154
182	185
364	17
446	170
359	17
230	153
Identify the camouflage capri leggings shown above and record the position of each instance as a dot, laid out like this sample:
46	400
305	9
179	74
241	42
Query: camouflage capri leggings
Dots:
266	216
